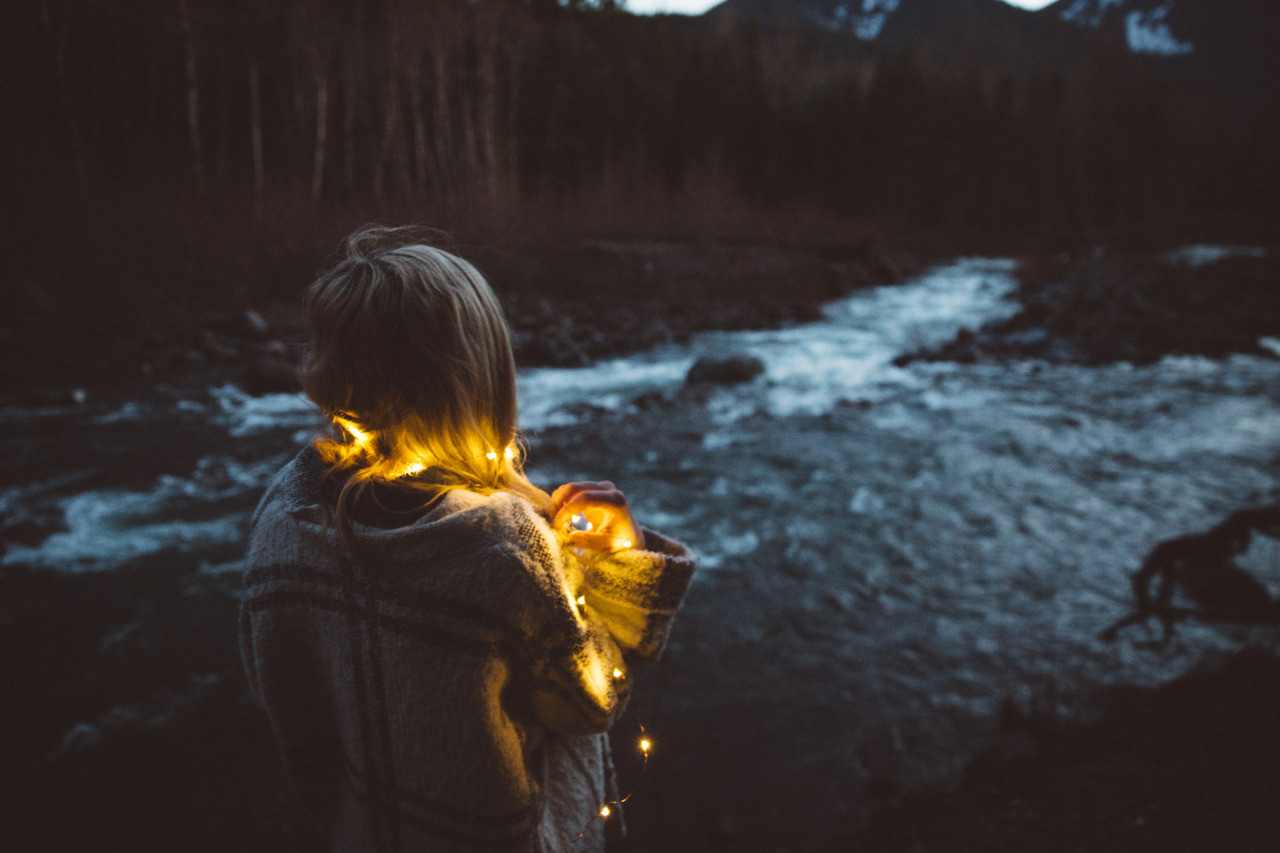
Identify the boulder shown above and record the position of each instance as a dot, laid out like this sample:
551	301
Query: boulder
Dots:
31	526
255	324
270	373
726	370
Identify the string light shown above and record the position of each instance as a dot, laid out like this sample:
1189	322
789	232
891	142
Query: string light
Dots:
361	437
645	745
579	523
353	443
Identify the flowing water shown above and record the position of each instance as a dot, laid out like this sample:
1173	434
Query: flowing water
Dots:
887	553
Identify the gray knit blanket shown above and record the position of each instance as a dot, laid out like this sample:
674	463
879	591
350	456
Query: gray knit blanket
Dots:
449	688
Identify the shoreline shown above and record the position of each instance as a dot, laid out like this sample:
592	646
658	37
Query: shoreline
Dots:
1097	308
568	305
1189	765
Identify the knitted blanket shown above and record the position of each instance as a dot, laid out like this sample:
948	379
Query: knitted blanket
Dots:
448	689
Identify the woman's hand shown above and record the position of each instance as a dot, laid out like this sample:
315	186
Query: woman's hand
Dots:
604	507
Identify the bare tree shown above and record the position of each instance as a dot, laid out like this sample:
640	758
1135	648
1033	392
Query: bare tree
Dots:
320	68
390	106
443	33
426	177
488	35
193	96
391	121
255	130
351	56
57	33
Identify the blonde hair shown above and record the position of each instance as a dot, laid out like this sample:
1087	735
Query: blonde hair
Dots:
410	356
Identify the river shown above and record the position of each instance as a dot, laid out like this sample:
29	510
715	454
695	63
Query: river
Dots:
887	553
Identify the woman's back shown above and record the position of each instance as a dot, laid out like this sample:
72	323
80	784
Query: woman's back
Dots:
438	663
447	689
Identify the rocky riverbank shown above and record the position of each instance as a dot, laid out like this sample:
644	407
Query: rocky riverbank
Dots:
1191	766
567	305
1097	307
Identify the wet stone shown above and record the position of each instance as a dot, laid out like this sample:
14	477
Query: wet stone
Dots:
728	370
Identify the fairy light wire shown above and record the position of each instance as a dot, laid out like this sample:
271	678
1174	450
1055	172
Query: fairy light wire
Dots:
606	809
579	523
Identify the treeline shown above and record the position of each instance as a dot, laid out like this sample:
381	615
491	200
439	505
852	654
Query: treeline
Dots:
452	110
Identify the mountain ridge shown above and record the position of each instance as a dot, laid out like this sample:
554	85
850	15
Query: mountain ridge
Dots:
1228	45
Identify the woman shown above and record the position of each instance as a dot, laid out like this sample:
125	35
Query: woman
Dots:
440	644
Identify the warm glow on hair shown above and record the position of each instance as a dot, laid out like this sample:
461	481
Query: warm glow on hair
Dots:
410	355
405	451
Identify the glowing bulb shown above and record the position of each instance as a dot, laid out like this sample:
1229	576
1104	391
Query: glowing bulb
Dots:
617	673
509	453
604	811
580	523
491	456
624	543
645	744
358	434
582	601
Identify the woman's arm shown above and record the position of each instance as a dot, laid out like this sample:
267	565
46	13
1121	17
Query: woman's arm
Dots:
598	617
635	593
634	580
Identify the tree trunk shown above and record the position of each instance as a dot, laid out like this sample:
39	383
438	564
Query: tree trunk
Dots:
349	125
516	45
391	120
390	108
255	128
322	128
57	41
445	161
470	143
193	96
487	107
426	170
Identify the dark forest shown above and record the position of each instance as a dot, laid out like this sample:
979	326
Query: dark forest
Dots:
186	152
476	115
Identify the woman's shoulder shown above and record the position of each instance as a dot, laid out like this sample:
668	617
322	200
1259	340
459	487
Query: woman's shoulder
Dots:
288	507
493	550
514	525
286	491
474	532
518	540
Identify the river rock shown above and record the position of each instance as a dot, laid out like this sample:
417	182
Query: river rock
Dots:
31	526
727	370
551	345
272	373
256	324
